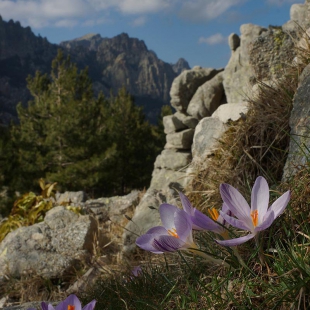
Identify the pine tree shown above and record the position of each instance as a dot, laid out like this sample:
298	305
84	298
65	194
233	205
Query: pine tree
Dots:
62	134
135	147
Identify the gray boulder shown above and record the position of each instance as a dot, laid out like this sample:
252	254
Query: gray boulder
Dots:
173	160
143	219
231	111
208	131
238	71
207	98
75	199
187	120
50	248
180	140
299	17
300	134
185	85
172	124
161	178
233	41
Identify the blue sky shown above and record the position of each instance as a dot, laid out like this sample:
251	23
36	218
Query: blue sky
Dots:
196	30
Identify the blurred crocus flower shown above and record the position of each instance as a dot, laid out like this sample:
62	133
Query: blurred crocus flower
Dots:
175	234
70	303
136	271
201	221
255	218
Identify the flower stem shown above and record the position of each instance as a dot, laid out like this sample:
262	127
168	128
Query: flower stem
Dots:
209	258
260	250
240	259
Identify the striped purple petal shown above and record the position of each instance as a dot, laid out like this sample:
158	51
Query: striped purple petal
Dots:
158	230
167	212
267	221
146	242
183	225
236	203
235	222
234	242
280	204
168	244
260	197
90	306
187	206
203	222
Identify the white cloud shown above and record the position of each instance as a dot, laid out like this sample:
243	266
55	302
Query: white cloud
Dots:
281	2
205	10
64	13
140	21
217	38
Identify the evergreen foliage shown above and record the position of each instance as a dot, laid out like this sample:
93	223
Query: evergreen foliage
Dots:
66	135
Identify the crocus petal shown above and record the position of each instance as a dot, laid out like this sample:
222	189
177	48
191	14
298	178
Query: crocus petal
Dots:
203	222
235	222
158	230
31	309
183	225
167	212
169	244
61	306
280	204
260	197
236	203
90	306
268	220
237	241
187	206
74	301
44	306
146	242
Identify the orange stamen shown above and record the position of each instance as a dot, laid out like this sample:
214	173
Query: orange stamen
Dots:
173	232
214	214
254	216
71	307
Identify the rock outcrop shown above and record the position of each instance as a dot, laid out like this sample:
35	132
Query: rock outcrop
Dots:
300	124
238	72
185	85
50	248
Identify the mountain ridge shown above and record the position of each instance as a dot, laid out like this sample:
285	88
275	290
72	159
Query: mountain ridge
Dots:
112	62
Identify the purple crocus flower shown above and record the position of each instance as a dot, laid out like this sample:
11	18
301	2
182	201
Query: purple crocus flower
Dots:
136	271
70	303
203	222
175	234
255	218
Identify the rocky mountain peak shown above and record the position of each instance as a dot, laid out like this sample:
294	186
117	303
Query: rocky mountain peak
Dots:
180	66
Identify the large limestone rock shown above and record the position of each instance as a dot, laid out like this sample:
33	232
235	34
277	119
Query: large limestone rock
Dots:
185	85
300	134
207	98
50	248
208	131
271	53
238	71
231	111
